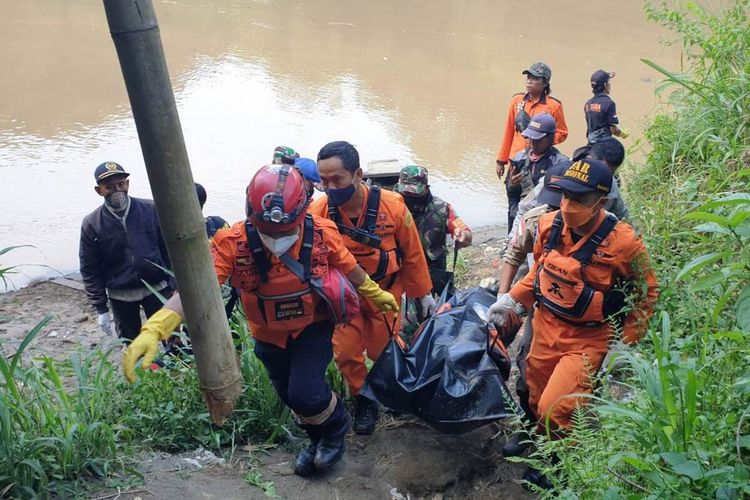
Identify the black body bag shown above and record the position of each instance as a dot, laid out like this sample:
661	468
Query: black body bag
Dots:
452	376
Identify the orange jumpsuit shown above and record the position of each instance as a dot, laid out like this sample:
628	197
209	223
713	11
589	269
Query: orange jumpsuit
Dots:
563	355
407	272
513	141
232	259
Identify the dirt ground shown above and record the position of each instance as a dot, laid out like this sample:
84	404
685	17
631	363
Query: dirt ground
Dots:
403	459
73	324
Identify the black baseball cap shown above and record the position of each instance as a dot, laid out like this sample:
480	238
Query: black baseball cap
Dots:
540	125
108	169
600	78
585	176
549	195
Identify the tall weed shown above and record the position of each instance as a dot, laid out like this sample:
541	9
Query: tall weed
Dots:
677	426
64	424
53	437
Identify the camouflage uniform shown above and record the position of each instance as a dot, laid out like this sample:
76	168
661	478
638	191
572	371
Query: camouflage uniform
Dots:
435	220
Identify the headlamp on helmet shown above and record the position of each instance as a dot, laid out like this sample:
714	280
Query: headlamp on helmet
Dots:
276	197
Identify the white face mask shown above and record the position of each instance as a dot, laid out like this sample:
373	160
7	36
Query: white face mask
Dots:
278	246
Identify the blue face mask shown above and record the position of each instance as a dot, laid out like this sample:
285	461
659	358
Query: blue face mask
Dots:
338	197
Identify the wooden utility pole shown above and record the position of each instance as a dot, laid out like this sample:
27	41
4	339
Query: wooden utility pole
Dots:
135	32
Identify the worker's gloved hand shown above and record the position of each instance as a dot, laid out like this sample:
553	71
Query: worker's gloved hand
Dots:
105	324
506	313
624	133
158	327
428	305
382	299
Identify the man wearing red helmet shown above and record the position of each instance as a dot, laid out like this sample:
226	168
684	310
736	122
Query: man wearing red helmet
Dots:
272	257
380	232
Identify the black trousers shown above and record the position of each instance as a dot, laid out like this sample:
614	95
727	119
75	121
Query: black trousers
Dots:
127	315
298	373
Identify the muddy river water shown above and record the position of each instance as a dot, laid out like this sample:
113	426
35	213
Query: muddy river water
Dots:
423	81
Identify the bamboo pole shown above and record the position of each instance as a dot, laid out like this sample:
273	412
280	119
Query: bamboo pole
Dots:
135	33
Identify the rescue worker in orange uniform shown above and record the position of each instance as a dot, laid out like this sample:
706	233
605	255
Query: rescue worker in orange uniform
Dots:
272	257
379	231
585	264
524	106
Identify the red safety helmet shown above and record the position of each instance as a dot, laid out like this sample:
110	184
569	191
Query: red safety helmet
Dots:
276	199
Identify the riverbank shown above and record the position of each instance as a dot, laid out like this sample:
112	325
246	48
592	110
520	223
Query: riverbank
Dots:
73	324
403	459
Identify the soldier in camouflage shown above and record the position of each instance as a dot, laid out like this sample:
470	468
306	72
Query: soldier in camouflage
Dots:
435	220
284	155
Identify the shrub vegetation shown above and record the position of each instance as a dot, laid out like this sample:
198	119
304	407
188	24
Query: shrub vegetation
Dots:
680	427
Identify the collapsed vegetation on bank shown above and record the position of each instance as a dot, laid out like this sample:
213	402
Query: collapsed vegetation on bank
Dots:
683	430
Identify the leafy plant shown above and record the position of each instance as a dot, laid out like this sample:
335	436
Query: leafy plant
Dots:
254	477
677	424
53	436
64	424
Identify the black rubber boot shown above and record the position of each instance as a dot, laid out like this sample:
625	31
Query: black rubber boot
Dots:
330	449
516	444
536	478
304	464
366	414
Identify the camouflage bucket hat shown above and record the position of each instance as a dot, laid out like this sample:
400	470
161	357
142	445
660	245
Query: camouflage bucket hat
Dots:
539	70
412	180
284	155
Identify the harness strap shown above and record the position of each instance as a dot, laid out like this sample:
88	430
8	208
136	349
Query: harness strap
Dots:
522	118
584	254
301	269
553	238
333	214
365	235
258	251
305	255
373	205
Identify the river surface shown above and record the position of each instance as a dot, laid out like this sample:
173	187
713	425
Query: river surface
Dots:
422	81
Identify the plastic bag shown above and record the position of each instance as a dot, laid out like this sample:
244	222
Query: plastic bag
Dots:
452	376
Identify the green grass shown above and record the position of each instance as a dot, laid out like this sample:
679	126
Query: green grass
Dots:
682	428
54	437
70	426
67	424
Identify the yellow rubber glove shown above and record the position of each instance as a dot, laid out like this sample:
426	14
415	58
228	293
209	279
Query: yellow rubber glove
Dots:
382	299
158	327
624	133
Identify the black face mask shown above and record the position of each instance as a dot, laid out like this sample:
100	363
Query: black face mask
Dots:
415	203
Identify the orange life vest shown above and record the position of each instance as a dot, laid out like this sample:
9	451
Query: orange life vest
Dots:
274	298
560	285
377	252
